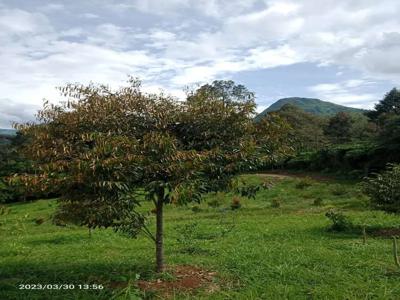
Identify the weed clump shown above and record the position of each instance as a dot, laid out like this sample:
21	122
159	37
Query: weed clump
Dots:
235	203
249	191
304	183
267	184
340	222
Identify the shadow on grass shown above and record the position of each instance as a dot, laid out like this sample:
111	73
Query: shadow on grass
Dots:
54	240
12	275
324	231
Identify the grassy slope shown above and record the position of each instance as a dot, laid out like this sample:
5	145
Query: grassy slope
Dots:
272	253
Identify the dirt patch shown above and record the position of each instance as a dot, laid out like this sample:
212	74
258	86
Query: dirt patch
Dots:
185	279
387	232
278	174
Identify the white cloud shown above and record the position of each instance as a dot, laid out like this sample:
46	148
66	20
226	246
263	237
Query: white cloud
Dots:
350	92
174	43
16	22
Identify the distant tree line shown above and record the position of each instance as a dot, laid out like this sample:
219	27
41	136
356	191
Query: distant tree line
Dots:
346	142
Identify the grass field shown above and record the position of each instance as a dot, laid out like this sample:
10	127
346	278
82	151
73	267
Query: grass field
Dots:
259	251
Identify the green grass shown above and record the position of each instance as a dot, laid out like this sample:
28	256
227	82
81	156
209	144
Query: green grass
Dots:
258	251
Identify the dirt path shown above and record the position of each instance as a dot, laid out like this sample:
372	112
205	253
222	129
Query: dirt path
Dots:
286	175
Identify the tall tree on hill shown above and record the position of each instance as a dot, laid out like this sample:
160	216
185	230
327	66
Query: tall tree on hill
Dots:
339	128
306	132
389	105
103	149
387	117
225	91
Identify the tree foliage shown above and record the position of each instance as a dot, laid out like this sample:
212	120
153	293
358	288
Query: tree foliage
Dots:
103	150
339	128
389	105
306	129
384	189
11	162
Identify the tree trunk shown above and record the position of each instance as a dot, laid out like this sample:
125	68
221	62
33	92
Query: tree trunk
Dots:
159	234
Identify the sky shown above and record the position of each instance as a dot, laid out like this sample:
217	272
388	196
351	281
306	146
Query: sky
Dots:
343	51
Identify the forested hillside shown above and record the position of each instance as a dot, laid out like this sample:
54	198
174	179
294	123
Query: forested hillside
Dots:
311	105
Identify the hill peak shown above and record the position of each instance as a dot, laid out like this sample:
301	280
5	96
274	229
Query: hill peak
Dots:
311	105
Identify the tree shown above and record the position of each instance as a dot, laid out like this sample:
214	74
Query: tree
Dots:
11	162
339	128
389	105
102	150
386	116
306	131
226	91
362	129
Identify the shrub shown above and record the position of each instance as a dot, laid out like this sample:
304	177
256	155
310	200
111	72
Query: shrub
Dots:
249	191
187	237
235	203
384	189
340	222
338	190
304	183
267	185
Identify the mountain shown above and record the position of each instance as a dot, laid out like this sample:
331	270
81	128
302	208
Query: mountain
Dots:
311	105
7	132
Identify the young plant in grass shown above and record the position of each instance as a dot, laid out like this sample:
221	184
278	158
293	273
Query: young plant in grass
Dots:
104	151
340	222
384	189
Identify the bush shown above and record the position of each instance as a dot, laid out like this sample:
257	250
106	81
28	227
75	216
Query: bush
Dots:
267	184
384	189
249	191
338	190
340	222
187	237
304	183
235	203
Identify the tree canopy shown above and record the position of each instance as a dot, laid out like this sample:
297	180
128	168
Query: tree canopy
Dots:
390	104
339	128
102	150
306	129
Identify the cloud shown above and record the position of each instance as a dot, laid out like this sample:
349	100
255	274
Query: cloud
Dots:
51	7
17	22
170	44
351	93
210	8
13	112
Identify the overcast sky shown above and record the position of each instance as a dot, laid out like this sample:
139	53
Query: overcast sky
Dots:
343	51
